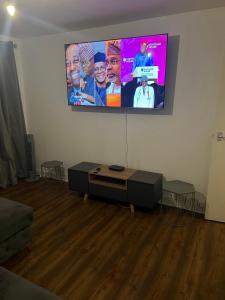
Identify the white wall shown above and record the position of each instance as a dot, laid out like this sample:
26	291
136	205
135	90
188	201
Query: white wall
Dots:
177	145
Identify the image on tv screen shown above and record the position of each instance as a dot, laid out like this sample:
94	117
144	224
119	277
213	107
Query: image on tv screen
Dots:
127	72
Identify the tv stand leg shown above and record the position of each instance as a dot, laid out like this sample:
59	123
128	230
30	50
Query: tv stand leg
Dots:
132	209
85	197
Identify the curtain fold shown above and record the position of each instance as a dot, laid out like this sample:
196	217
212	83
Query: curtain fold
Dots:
13	162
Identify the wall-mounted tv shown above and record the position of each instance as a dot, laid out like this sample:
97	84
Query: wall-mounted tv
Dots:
126	72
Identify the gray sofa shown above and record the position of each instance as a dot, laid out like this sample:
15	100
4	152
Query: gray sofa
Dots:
15	234
13	287
15	227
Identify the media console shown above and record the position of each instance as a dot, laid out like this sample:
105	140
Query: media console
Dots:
130	186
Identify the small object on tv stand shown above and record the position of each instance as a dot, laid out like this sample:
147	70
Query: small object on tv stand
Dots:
116	168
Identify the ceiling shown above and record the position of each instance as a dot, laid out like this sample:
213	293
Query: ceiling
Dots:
42	17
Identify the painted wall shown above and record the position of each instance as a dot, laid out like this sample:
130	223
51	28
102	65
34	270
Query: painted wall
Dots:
177	145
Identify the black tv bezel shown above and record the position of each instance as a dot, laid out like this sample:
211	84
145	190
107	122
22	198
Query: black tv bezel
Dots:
119	107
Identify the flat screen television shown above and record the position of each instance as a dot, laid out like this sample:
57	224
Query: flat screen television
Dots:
126	72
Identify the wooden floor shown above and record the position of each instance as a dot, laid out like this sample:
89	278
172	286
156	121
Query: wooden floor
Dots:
98	251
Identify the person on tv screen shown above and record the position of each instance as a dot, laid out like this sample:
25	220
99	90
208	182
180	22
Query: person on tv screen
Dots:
143	58
100	77
76	95
159	91
87	59
144	96
113	66
72	64
86	53
128	91
73	74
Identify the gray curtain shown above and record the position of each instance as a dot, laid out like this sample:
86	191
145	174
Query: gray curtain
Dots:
13	163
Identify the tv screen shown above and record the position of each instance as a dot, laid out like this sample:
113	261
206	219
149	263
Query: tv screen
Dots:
126	72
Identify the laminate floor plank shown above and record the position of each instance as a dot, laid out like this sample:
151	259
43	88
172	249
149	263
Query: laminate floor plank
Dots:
96	250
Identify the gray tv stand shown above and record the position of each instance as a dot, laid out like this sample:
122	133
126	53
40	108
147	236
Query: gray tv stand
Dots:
134	187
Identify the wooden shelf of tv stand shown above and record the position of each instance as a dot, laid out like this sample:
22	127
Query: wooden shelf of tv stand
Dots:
109	178
108	184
